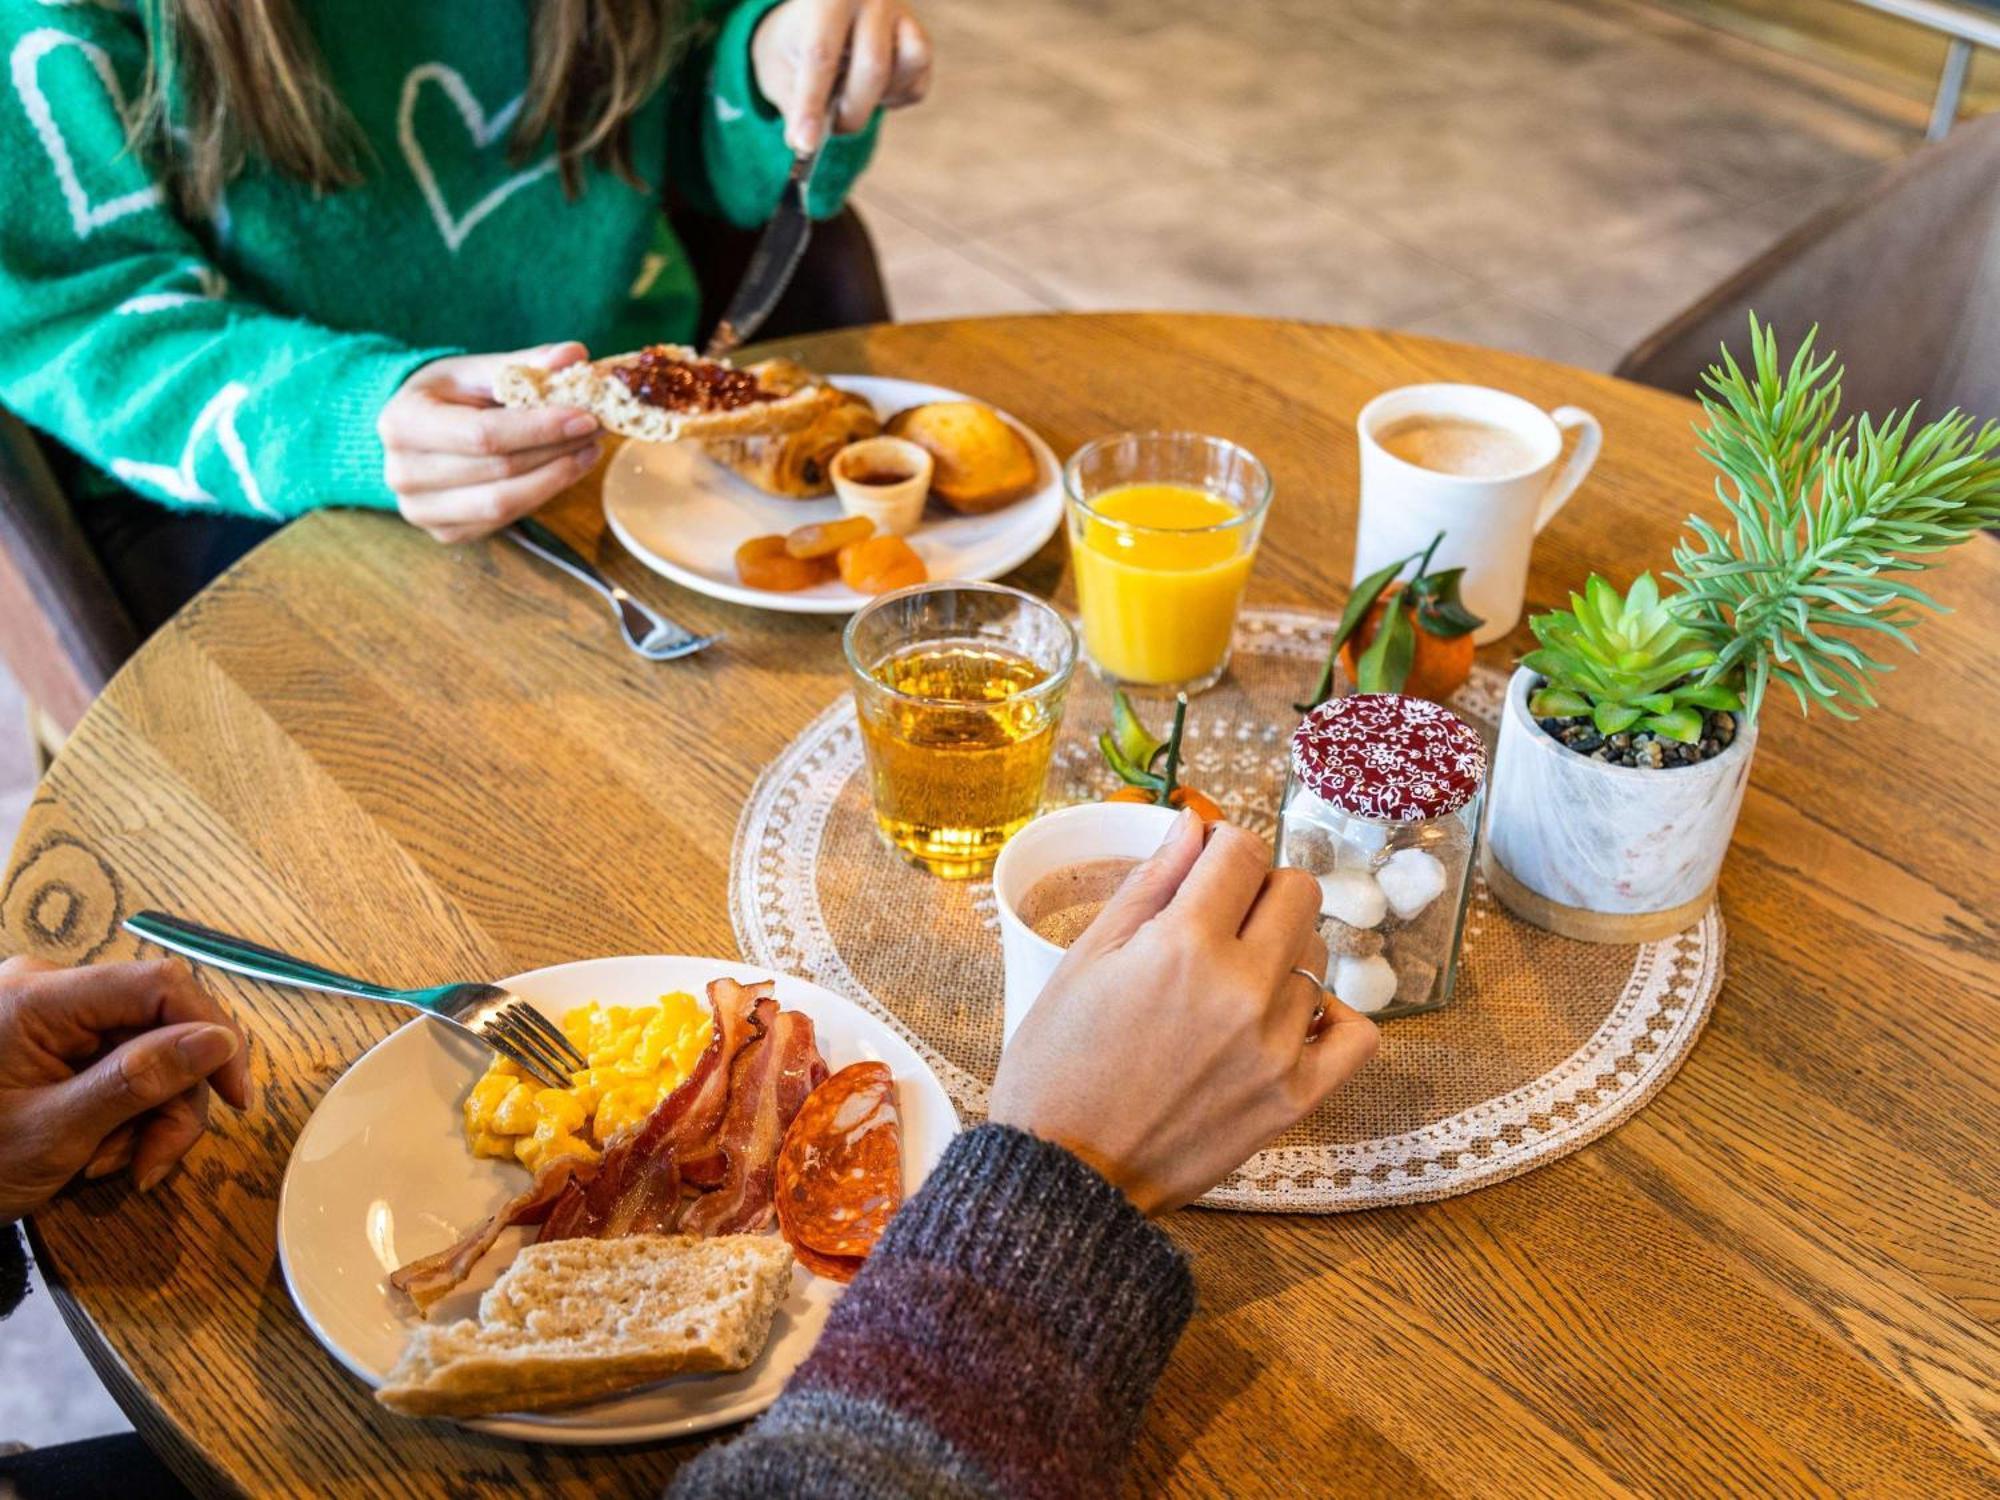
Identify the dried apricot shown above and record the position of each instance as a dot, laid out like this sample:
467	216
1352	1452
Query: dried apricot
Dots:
879	564
824	538
763	563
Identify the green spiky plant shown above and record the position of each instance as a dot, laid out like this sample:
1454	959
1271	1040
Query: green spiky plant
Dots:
1625	661
1828	518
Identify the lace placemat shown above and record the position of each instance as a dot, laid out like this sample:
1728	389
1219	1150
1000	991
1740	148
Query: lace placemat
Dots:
1546	1044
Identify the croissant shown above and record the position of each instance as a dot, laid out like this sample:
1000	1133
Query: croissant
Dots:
795	463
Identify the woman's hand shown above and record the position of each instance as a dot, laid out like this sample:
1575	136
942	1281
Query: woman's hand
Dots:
105	1068
798	55
463	466
1174	1040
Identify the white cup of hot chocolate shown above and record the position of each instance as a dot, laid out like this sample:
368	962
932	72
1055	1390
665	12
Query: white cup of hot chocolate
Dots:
1053	876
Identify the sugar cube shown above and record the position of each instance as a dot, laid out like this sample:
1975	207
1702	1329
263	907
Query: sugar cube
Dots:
1410	881
1353	897
1343	941
1308	846
1361	844
1414	978
1365	984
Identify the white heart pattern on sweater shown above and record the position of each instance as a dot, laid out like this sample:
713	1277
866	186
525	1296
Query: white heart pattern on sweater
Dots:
210	285
482	128
178	480
85	214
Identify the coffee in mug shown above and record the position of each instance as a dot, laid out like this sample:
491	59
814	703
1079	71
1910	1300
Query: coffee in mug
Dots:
1457	445
1065	901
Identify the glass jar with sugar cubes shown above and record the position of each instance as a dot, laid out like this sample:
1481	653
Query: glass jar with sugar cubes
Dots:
1382	806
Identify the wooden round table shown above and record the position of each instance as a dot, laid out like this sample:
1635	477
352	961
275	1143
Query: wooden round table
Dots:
419	763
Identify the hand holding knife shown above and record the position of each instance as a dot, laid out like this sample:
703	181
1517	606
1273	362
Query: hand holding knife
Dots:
827	65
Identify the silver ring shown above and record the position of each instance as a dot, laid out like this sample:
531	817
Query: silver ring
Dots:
1319	1011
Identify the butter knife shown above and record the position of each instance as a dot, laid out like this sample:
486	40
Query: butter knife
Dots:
772	263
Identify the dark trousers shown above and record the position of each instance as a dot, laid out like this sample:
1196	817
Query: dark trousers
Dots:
119	1465
98	1468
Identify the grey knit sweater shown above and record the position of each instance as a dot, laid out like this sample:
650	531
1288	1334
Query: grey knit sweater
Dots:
1002	1340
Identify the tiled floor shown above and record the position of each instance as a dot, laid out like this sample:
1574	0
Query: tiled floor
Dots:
1552	176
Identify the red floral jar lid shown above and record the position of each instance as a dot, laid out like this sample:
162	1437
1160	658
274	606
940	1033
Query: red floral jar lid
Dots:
1389	756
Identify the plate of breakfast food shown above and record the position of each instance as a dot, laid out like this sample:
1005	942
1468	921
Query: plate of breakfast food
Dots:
778	488
649	1252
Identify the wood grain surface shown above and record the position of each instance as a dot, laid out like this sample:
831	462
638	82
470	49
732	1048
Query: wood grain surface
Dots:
423	763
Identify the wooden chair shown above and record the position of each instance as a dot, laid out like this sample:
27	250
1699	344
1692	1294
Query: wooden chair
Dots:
1903	279
62	630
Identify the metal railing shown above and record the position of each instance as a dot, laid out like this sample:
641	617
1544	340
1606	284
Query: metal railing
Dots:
1968	25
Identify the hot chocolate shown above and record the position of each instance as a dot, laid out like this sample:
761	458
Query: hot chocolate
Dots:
1065	901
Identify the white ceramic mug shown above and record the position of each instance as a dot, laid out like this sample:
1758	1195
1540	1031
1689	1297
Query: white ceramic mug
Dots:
1490	523
1067	836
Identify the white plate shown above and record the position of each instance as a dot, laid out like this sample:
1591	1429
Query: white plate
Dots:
684	515
381	1175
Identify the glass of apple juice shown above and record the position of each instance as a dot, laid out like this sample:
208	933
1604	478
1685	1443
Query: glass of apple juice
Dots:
959	689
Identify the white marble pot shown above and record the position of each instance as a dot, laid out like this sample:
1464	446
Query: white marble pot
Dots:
1608	854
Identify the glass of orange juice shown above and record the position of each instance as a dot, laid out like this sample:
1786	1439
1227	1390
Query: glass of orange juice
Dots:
1163	528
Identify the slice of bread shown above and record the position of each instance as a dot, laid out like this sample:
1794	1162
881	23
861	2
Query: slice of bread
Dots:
577	1320
596	388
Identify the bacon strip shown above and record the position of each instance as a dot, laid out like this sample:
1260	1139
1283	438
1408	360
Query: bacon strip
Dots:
637	1186
642	1196
742	1011
768	1083
429	1280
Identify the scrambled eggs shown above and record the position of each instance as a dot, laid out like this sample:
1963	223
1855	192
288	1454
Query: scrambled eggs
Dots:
638	1055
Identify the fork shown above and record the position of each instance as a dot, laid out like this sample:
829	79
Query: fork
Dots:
498	1018
647	631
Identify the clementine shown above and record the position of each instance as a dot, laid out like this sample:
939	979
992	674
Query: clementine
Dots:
1205	807
1438	667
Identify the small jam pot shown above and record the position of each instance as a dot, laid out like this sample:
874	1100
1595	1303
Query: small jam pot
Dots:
1382	806
884	479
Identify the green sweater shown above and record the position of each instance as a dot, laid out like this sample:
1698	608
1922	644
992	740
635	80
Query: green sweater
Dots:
237	362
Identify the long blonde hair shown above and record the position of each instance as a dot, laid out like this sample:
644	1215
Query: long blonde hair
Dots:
247	81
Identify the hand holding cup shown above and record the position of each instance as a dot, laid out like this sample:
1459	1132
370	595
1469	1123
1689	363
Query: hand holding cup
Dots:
1178	1035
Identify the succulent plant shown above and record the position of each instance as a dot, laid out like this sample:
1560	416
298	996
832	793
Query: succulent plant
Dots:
1626	661
1827	518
